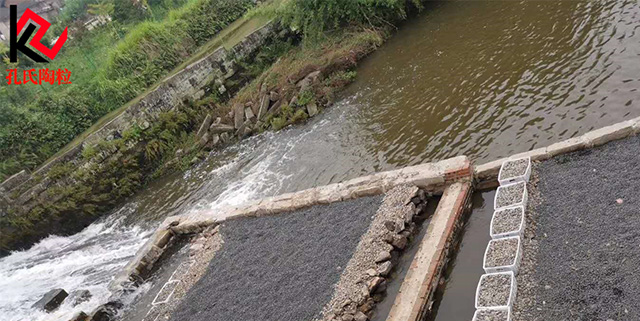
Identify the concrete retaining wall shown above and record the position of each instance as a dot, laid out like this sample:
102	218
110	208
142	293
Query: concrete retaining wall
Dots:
486	175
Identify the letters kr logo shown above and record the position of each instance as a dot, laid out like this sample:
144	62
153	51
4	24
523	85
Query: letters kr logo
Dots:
16	44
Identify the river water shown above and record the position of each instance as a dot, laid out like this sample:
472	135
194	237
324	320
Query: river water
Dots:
480	78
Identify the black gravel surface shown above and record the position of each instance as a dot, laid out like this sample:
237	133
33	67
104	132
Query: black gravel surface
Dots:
280	268
588	263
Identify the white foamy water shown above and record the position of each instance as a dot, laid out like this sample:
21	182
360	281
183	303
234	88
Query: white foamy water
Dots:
84	261
262	166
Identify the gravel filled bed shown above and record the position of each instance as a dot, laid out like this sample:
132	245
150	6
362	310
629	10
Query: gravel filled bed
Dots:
507	220
495	290
510	194
279	268
502	252
587	261
492	315
514	169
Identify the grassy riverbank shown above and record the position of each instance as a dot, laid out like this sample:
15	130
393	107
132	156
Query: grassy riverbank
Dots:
305	72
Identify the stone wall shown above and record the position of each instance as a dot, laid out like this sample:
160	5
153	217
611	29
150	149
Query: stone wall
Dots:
23	190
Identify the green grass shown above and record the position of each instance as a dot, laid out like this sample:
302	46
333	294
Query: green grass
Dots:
227	38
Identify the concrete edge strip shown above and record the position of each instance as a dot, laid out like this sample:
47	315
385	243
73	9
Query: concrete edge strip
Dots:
486	175
421	282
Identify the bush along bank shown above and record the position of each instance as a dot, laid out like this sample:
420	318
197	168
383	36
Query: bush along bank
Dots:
92	180
286	89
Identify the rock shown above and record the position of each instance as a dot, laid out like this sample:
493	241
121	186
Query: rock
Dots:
383	256
388	238
215	139
224	137
80	316
179	152
51	300
372	272
238	116
264	106
384	268
306	83
247	131
375	283
145	125
399	241
204	126
248	113
377	297
347	317
312	109
79	296
222	89
360	317
367	306
216	122
276	107
204	139
274	96
221	128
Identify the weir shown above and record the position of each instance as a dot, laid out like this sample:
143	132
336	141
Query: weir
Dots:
454	179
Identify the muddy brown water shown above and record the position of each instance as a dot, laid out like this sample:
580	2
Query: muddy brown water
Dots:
481	78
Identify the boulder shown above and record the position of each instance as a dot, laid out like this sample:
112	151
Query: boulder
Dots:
238	116
204	139
224	137
220	128
360	317
51	300
383	256
248	113
306	83
312	109
264	106
274	96
384	268
80	316
399	241
79	296
204	126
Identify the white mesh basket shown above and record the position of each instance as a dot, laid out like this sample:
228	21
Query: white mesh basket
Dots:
511	295
498	215
513	267
520	178
520	202
477	315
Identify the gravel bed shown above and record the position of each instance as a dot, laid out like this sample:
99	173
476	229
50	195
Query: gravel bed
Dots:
514	168
510	194
502	252
507	220
587	257
495	290
394	208
279	268
492	315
